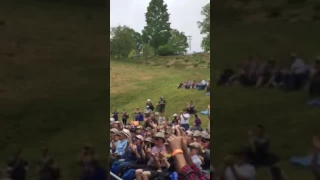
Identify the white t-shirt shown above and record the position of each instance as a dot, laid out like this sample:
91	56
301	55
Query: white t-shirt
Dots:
186	119
197	161
245	170
298	66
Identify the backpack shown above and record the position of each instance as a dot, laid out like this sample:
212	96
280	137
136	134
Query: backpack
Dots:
129	174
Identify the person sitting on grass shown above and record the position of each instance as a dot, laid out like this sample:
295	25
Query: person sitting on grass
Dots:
46	169
224	77
87	162
258	152
191	108
237	167
17	167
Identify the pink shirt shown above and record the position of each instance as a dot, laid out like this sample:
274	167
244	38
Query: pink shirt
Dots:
154	150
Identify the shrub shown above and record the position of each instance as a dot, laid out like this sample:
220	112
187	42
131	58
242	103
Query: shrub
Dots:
165	50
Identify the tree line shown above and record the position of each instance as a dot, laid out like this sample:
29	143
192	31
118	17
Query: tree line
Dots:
157	37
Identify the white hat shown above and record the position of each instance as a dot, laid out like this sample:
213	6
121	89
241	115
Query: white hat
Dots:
148	100
140	137
175	115
112	119
126	132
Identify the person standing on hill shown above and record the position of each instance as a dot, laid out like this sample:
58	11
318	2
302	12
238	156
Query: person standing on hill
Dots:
162	106
125	116
115	115
149	103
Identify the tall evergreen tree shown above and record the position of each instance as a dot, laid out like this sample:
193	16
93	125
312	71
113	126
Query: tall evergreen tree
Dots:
157	32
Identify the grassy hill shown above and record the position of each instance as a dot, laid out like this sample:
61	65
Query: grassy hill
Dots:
289	122
53	88
135	81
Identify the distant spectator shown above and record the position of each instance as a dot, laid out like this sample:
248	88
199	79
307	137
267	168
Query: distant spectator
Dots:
17	167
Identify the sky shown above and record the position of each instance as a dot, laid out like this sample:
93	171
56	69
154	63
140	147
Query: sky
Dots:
184	15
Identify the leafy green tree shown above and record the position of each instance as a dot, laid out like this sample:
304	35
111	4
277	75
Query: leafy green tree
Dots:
205	27
123	40
178	42
147	50
157	32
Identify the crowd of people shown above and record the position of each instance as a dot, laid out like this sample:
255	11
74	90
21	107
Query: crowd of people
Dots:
152	146
294	75
190	84
244	163
47	169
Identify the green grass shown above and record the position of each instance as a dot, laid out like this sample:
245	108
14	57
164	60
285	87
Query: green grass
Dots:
53	87
289	122
142	82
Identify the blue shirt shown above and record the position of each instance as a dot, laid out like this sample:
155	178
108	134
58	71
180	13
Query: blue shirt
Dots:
121	147
130	155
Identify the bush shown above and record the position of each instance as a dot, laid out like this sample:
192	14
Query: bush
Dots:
165	51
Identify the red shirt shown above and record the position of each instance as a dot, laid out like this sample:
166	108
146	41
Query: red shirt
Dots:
192	173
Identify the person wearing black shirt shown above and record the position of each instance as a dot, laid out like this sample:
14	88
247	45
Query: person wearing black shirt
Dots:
115	115
162	106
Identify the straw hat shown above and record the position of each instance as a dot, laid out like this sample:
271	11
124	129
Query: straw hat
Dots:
125	132
160	135
114	130
206	137
196	134
148	139
195	145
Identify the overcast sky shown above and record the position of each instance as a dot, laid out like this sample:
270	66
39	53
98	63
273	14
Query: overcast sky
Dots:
184	15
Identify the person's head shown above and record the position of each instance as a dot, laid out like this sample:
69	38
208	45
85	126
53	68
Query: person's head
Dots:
148	107
139	130
148	142
275	173
194	148
152	116
175	116
148	101
205	141
133	132
161	98
197	136
139	140
124	134
116	125
123	109
159	139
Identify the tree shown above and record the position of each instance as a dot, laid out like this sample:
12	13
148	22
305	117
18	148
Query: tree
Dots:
205	27
178	42
157	32
123	40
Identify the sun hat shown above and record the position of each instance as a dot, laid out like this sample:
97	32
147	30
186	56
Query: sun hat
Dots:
206	137
175	115
160	135
148	100
195	145
196	134
148	139
139	127
125	132
112	119
148	128
114	130
140	137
